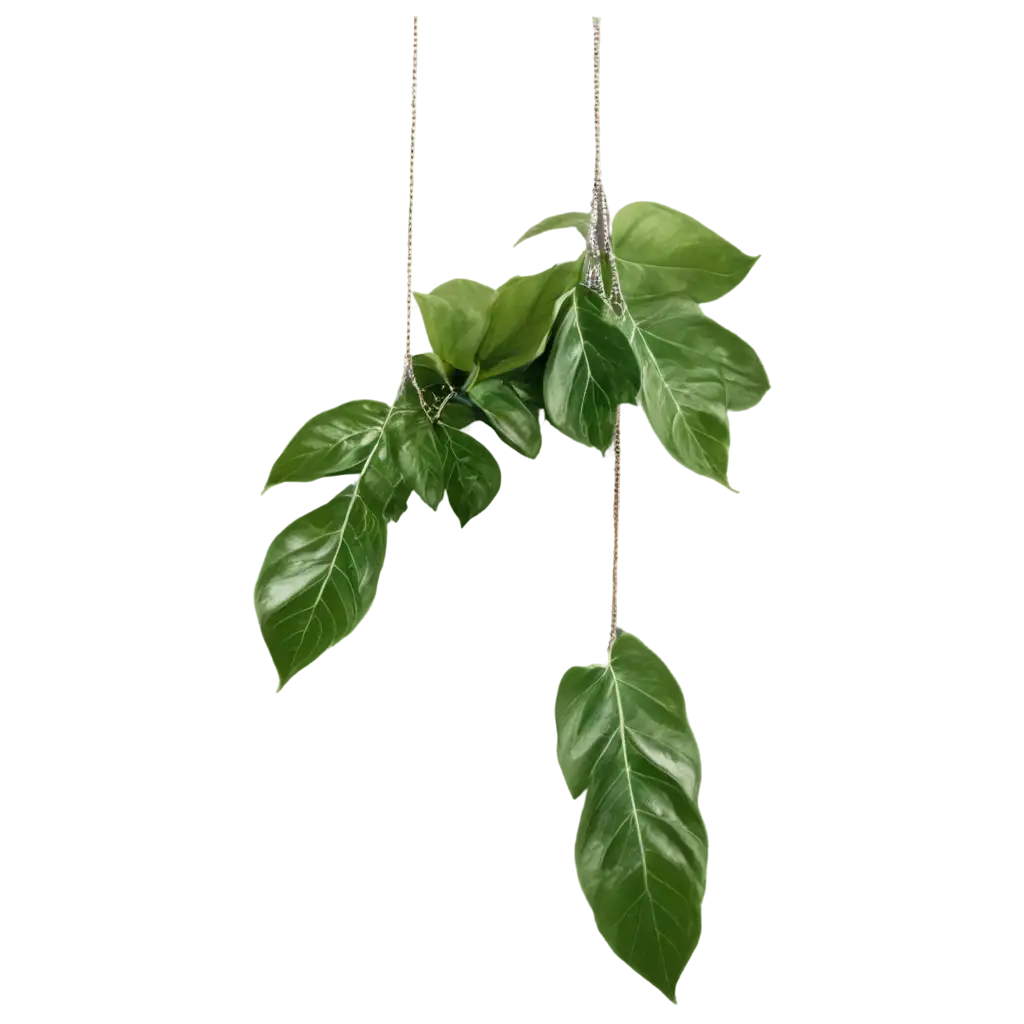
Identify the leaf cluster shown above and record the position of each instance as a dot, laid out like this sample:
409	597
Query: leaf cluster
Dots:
547	343
501	356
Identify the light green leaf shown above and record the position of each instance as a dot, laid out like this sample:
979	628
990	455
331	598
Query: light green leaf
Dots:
687	257
472	474
455	315
521	317
680	322
591	369
513	421
562	233
319	579
641	848
683	392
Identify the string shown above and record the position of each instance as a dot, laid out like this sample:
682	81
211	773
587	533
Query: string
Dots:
599	244
409	371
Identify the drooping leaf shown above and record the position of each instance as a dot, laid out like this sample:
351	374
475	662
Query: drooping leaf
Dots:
681	323
683	392
591	369
455	315
319	579
686	256
521	317
513	421
383	487
448	462
472	474
641	848
562	233
416	445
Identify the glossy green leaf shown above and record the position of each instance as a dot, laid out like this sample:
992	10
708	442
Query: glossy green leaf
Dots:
641	848
319	579
472	474
521	317
680	322
686	256
455	315
417	447
562	233
336	441
347	442
512	419
591	369
683	393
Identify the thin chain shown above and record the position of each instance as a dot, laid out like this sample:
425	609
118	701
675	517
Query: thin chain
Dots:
409	372
598	245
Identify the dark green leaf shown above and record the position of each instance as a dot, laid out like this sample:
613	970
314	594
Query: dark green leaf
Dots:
455	315
683	392
319	579
433	376
641	848
336	441
348	442
473	476
591	369
513	421
521	318
562	233
417	446
686	256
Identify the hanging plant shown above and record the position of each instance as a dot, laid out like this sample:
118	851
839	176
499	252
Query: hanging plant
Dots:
622	324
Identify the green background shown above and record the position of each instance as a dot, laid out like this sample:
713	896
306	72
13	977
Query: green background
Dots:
199	243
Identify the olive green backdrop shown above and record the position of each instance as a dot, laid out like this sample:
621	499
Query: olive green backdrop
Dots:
202	243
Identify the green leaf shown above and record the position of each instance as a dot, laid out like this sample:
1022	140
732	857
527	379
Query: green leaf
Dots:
336	441
683	392
591	369
319	579
417	447
455	315
473	476
562	233
521	317
433	376
641	848
449	462
681	323
686	256
346	442
513	421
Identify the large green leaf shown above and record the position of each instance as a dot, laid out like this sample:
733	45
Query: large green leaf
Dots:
683	392
512	419
660	249
687	256
336	441
319	579
471	472
455	315
562	233
521	317
681	323
590	371
347	442
641	848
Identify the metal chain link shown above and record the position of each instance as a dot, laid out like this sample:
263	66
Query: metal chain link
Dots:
599	244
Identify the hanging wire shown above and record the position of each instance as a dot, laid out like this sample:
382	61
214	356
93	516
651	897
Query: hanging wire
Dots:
599	245
409	371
